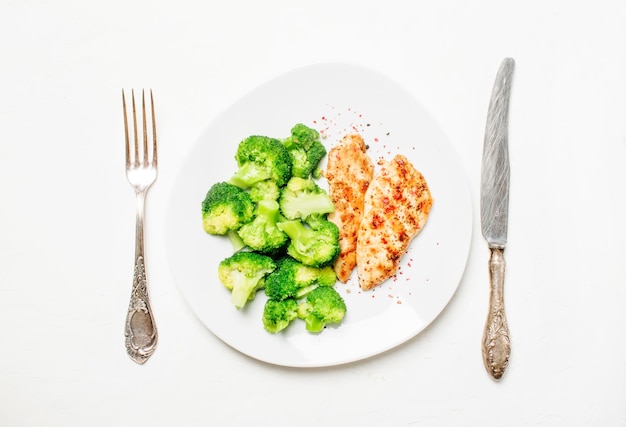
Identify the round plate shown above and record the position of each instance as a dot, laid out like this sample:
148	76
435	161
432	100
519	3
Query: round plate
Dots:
335	99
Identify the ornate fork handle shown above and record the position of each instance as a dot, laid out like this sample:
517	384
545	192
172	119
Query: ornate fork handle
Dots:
141	332
496	338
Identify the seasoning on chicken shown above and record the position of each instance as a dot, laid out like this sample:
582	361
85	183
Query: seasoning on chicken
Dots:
349	172
397	204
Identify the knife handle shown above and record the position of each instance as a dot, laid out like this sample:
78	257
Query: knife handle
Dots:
496	340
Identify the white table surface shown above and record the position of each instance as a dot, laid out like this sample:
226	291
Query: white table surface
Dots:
67	227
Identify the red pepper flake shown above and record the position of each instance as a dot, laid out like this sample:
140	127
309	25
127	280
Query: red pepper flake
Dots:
399	302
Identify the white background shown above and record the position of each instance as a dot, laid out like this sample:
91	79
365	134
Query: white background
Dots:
67	211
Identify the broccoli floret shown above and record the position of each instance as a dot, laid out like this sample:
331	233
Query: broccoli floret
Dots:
292	279
306	150
277	315
264	190
323	305
260	158
301	198
226	207
315	243
244	274
262	234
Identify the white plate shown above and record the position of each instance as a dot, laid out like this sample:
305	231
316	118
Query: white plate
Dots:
335	99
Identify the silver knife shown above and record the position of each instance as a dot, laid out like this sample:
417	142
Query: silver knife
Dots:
494	213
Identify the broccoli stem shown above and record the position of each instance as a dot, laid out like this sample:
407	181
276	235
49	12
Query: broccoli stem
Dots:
309	204
296	230
313	323
248	174
268	209
235	241
243	289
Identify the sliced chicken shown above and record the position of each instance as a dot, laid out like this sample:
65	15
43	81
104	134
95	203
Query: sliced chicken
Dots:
397	204
349	172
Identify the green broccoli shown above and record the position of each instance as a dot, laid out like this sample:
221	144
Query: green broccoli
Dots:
261	234
275	216
277	315
243	273
306	150
314	243
226	207
264	190
301	198
292	279
235	241
323	305
260	158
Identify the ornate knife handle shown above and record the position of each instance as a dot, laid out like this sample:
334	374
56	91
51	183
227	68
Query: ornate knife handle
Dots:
140	330
496	340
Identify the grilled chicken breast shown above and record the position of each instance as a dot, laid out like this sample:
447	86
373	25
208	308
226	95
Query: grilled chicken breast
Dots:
397	204
349	172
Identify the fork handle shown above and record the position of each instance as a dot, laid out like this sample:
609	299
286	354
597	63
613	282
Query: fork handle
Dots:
140	330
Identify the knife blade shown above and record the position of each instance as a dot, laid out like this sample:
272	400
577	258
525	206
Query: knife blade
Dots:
494	210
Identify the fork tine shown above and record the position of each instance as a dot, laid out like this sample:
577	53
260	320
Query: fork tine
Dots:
133	155
154	133
126	131
136	139
145	128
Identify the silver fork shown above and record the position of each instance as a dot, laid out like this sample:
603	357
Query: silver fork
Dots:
141	171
